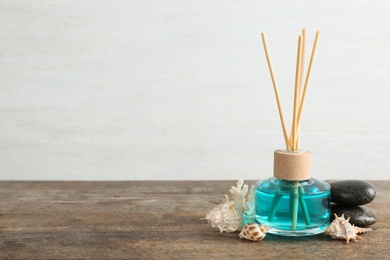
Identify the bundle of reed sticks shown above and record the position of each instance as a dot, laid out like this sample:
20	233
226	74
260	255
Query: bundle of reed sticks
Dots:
301	87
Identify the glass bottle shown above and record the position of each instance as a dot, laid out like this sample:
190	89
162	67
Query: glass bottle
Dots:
292	203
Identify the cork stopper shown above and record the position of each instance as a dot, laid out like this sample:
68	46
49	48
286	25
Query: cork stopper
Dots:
294	166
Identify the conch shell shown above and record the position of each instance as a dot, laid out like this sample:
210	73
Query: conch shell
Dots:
226	217
254	232
233	215
340	228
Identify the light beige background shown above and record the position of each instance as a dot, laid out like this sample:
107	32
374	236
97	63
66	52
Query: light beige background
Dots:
99	90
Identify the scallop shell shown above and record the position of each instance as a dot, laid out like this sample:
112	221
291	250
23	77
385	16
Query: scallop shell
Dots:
226	217
340	228
254	232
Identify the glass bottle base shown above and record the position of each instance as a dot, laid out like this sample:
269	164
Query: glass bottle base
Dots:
298	233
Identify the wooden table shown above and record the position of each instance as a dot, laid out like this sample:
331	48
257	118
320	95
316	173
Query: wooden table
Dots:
153	220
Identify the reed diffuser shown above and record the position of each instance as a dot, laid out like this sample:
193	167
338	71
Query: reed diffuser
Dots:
292	203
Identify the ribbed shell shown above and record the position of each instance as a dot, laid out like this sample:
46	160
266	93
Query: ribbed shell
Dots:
340	228
226	217
254	232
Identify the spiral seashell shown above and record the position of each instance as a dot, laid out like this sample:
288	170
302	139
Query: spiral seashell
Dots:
226	217
340	228
254	232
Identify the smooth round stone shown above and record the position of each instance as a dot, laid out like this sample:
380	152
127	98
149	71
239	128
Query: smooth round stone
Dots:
359	215
352	192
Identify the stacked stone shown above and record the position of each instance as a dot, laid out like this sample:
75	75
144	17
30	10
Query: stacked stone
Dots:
348	198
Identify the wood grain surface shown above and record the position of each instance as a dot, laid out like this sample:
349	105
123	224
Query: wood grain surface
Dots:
153	220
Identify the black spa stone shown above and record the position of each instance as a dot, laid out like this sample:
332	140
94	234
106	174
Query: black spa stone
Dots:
352	192
359	215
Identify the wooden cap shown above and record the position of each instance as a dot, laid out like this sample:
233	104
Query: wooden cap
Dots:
294	166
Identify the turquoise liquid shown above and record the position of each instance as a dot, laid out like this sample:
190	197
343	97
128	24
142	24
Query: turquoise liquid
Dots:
293	208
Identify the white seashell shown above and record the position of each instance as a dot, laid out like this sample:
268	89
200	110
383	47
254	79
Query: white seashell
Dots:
254	232
340	228
226	217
